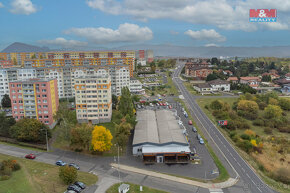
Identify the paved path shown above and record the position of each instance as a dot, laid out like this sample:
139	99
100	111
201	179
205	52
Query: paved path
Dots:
230	182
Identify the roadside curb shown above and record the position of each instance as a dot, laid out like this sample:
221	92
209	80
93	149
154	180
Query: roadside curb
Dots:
230	182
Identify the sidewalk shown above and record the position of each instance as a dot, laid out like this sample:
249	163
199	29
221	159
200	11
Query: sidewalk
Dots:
230	182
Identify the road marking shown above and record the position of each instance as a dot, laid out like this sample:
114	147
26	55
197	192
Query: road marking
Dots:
247	175
243	170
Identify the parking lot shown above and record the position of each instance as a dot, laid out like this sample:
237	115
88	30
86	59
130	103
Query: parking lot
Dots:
205	169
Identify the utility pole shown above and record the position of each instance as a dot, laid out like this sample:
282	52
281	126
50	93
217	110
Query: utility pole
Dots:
119	165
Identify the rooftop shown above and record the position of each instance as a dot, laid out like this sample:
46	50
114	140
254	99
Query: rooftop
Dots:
157	127
33	80
218	81
250	78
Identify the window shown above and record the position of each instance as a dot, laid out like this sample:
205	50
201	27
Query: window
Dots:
44	101
43	90
44	95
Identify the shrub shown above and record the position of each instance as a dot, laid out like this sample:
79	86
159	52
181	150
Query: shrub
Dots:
245	137
245	145
285	129
250	133
16	167
262	105
232	134
282	175
6	171
268	130
4	177
216	105
258	122
68	174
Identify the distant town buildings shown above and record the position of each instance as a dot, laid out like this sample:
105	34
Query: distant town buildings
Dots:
34	98
144	56
197	70
93	99
253	82
213	86
136	87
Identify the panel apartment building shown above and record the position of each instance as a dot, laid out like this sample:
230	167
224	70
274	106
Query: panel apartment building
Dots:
72	58
34	98
93	99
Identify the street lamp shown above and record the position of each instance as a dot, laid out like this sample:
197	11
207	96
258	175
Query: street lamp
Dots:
46	138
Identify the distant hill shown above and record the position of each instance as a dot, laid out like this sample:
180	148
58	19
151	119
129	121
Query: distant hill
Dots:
21	47
173	50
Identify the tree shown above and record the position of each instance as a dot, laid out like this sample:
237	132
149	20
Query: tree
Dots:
6	102
30	130
248	109
6	123
211	77
215	61
68	174
67	119
115	101
136	98
284	103
266	78
272	112
123	133
81	136
251	67
101	139
216	105
126	103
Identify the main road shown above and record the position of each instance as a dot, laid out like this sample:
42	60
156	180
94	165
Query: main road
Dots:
235	164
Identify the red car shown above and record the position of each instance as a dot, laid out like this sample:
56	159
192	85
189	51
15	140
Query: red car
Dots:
189	122
30	156
170	107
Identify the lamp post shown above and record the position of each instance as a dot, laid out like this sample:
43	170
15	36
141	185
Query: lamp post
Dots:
46	138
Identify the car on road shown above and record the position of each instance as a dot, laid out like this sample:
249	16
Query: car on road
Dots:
70	191
189	122
194	129
30	156
201	141
74	188
80	184
186	115
180	123
198	136
74	165
60	163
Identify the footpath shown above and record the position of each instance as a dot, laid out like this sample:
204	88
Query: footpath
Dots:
230	182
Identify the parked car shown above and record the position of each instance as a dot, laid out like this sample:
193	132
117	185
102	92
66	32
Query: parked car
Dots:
186	115
189	122
170	107
138	106
74	188
180	123
80	184
198	136
194	129
201	141
70	191
60	163
30	156
74	165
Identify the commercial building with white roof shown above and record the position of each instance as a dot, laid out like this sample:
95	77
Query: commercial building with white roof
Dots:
159	138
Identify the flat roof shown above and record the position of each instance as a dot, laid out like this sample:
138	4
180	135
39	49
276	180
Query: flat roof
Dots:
157	127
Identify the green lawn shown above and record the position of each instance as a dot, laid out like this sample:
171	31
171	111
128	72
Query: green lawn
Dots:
35	177
133	189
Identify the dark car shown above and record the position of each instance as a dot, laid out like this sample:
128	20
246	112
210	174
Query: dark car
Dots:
74	188
80	184
198	136
194	129
60	163
30	156
74	165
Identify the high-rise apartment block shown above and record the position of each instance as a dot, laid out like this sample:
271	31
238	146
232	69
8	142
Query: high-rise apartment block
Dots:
34	98
93	99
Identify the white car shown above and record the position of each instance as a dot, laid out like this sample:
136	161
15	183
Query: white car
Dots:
180	123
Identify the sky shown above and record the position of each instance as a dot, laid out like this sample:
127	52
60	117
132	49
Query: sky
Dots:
113	23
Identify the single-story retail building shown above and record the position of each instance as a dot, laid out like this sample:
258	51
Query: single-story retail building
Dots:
159	138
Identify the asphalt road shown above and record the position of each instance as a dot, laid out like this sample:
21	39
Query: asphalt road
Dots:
227	154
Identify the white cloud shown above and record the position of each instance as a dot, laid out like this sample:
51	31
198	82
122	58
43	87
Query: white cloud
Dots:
224	14
204	34
211	45
24	7
125	33
64	43
1	5
275	26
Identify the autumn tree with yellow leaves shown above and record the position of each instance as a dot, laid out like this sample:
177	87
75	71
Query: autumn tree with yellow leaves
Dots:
101	139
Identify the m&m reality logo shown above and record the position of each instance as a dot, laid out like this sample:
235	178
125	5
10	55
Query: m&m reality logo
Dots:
263	15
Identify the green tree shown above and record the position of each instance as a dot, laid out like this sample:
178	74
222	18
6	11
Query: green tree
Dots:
68	174
123	133
248	109
29	130
126	103
284	103
272	112
81	137
114	101
6	102
6	123
216	105
67	119
211	77
266	78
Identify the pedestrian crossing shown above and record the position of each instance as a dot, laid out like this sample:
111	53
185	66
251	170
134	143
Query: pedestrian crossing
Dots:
215	190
